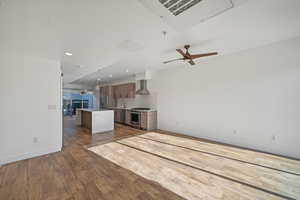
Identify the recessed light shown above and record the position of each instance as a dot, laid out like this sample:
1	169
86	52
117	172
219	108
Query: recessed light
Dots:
68	54
127	70
110	75
98	79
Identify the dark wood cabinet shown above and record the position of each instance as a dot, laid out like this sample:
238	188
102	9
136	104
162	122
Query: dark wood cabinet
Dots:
115	88
127	117
117	114
124	91
144	120
148	120
131	90
106	96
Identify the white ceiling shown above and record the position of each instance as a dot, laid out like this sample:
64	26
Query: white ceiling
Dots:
116	35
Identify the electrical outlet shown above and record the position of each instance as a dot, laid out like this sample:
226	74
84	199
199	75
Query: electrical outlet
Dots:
35	140
234	132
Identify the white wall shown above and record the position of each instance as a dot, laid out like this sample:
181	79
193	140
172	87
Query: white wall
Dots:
250	99
30	107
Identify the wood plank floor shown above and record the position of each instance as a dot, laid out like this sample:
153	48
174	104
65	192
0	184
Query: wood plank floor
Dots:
275	181
76	173
187	182
263	159
151	155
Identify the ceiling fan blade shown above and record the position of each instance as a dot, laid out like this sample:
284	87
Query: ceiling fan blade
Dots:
192	62
203	55
181	52
172	60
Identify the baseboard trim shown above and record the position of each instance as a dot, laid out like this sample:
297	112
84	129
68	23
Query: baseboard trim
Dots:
10	159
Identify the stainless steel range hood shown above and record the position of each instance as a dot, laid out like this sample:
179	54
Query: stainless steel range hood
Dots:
143	88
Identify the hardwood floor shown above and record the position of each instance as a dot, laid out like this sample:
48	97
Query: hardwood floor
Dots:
266	160
76	173
188	182
270	180
154	166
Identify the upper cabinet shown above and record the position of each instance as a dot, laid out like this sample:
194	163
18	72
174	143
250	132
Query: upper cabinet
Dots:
106	96
131	90
124	91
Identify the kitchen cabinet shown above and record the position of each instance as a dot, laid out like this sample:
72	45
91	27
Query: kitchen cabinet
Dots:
131	90
124	91
127	117
117	114
148	120
115	88
106	96
118	91
144	119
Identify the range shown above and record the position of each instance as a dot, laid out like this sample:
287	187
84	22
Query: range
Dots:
135	116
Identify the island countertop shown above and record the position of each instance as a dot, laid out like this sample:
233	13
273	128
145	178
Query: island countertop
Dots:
130	109
92	110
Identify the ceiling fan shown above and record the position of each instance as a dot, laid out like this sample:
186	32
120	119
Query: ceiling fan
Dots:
190	57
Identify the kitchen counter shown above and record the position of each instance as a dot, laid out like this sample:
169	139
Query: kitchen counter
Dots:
96	120
121	108
92	110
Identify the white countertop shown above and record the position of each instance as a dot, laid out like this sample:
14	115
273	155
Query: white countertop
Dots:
121	108
93	110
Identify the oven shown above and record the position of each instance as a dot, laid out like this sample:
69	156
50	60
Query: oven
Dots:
135	118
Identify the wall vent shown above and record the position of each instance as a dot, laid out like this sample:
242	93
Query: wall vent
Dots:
177	7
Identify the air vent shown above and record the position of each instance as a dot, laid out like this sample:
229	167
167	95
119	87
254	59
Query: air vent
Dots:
177	7
182	14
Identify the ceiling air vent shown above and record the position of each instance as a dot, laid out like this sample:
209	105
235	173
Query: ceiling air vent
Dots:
182	14
177	7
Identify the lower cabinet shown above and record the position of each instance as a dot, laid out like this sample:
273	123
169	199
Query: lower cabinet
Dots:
127	117
117	115
144	119
149	120
120	115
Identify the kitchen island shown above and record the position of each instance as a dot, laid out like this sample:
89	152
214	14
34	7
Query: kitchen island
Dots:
95	120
